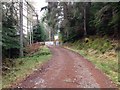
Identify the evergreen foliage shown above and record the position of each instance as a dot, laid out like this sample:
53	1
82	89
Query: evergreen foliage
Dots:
10	39
39	33
100	18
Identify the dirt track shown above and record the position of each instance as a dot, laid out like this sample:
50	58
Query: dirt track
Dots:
66	69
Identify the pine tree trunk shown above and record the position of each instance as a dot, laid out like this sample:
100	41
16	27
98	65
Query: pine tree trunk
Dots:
0	33
85	31
86	16
21	28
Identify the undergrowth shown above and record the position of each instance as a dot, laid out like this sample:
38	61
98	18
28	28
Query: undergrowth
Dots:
25	66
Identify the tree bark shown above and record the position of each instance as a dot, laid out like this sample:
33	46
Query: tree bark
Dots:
0	36
86	17
85	30
21	28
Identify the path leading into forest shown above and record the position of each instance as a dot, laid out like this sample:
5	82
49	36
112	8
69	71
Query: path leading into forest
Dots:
66	69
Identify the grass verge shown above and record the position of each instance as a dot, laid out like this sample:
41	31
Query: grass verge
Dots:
25	66
103	56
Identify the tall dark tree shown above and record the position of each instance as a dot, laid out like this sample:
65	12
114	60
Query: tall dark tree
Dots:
10	39
39	33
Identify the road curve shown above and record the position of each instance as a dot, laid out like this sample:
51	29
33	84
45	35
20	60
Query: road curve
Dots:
66	69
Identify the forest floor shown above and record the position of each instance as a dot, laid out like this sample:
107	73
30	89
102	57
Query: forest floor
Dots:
66	69
22	67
